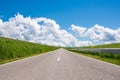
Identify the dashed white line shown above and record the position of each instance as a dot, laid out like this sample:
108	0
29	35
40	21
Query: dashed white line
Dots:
58	58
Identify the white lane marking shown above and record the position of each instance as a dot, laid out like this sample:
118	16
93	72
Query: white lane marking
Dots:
58	58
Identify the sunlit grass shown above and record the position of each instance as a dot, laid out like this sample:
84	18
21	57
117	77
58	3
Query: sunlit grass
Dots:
111	58
11	49
113	45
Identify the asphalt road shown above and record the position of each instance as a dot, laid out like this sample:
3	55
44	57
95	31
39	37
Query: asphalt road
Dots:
59	65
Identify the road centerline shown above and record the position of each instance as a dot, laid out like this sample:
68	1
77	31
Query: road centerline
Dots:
58	58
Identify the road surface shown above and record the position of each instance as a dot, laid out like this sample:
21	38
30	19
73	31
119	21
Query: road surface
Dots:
59	65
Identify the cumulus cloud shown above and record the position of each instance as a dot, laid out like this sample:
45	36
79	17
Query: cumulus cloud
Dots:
79	31
46	31
97	33
39	30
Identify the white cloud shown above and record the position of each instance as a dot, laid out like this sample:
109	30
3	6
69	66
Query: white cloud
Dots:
47	31
97	33
79	31
85	43
38	30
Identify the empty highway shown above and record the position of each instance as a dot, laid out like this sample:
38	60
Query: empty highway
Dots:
59	65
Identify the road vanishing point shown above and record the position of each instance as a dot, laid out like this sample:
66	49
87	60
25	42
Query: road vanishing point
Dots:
59	65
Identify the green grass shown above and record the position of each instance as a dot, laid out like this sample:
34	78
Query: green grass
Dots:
111	58
114	45
108	57
11	49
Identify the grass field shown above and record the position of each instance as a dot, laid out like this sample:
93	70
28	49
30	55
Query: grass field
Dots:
11	49
108	57
111	58
114	45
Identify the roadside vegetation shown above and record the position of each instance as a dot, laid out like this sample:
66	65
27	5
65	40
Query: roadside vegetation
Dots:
11	49
108	57
113	45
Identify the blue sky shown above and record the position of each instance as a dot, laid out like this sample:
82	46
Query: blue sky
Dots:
83	13
66	12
